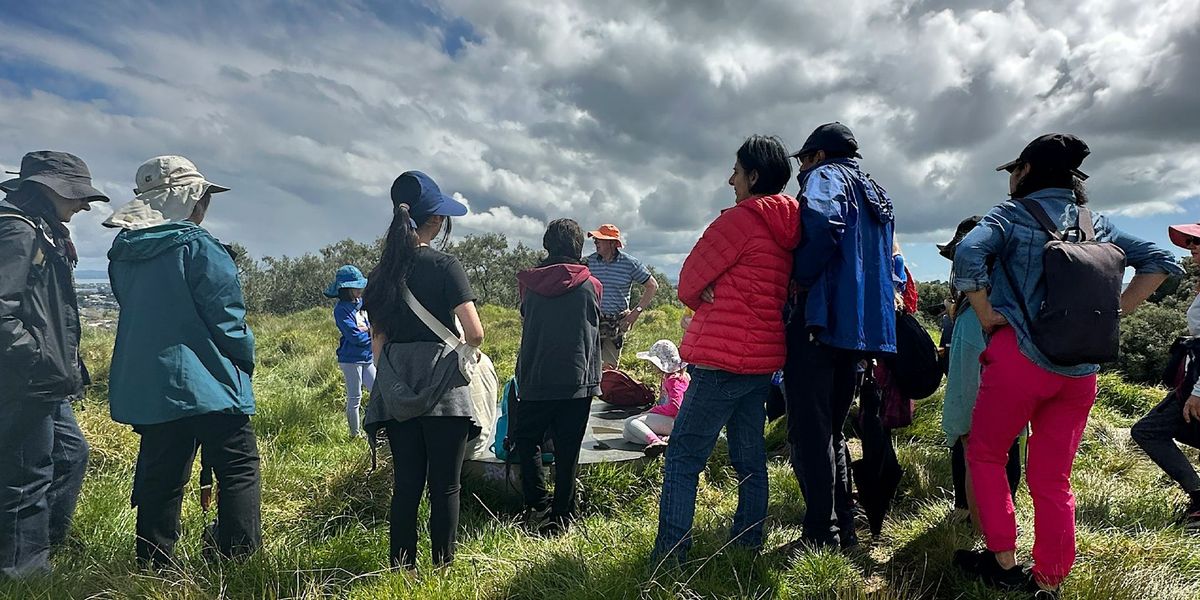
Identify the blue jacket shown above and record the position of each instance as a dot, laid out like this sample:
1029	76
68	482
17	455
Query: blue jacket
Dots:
1011	235
183	347
845	258
355	346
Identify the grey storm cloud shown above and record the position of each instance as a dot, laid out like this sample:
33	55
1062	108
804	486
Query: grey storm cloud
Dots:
626	111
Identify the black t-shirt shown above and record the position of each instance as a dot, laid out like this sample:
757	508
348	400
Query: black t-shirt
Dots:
439	282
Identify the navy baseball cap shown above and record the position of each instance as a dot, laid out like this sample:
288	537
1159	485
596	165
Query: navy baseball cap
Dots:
1055	152
423	197
832	138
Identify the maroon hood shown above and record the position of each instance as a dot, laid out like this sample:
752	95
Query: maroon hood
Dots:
555	280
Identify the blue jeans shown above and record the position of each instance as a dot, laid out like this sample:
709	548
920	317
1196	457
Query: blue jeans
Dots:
42	460
715	399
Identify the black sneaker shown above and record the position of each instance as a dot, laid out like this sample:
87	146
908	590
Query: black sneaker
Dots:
982	564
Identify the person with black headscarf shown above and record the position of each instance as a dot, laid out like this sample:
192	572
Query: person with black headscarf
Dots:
44	451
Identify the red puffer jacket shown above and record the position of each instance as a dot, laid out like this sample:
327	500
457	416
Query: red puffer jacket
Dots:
746	256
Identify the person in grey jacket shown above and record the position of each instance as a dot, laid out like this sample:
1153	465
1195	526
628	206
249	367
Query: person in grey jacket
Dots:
43	449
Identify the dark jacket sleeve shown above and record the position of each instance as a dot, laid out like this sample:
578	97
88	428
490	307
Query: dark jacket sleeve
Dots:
346	323
217	293
17	242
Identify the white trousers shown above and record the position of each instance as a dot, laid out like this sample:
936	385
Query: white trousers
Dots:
640	429
357	376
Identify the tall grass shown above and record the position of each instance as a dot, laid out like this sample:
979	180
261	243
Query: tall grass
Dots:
325	516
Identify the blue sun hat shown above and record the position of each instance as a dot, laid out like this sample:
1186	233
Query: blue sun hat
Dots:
348	276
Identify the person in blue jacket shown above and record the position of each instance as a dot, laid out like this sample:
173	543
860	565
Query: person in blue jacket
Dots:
183	359
354	352
844	312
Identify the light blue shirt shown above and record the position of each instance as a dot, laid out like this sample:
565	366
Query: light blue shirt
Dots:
1013	237
617	277
962	380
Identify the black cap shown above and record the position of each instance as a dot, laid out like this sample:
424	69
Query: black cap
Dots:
832	138
64	173
964	227
1055	152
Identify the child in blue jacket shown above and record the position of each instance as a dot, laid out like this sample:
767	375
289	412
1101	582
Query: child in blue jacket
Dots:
354	352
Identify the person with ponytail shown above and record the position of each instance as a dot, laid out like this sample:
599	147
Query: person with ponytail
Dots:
428	423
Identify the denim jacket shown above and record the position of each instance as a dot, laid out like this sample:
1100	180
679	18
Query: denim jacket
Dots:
1012	235
844	259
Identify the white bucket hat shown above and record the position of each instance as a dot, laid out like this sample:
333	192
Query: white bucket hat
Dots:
167	189
664	355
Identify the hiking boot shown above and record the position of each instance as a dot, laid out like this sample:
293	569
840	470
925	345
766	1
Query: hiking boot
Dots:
655	449
982	564
553	527
1190	519
534	518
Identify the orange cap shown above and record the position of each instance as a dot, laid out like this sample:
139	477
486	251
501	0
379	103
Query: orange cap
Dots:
607	231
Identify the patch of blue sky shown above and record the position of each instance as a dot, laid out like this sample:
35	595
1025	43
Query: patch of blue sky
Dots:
26	76
416	15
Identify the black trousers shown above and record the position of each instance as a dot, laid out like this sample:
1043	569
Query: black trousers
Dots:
164	466
426	449
819	384
1156	434
958	469
566	420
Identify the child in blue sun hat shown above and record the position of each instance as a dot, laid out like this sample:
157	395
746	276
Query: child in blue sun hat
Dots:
354	352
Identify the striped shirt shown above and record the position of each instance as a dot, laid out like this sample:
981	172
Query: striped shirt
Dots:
617	277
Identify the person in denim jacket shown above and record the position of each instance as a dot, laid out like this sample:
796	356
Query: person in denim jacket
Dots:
1019	384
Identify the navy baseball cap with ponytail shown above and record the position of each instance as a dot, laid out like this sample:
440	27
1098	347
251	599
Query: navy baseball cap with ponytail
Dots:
423	197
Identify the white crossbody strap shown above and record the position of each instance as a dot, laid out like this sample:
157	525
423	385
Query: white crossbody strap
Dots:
430	321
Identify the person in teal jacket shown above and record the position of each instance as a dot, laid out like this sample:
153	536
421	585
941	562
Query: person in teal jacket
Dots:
183	359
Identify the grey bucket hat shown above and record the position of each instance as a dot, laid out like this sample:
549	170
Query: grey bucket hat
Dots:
64	173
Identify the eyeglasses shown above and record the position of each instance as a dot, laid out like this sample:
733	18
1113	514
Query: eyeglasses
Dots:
1191	241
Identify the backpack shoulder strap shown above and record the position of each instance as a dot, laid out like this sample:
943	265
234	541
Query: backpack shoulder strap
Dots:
430	321
39	256
1085	224
20	217
1039	215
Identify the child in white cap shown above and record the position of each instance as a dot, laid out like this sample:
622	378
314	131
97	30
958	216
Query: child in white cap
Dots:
651	426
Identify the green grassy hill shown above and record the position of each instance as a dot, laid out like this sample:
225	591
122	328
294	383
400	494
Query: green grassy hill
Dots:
325	516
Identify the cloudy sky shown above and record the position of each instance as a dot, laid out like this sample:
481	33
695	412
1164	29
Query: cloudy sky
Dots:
625	111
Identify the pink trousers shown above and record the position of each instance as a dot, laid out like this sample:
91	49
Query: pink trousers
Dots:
1014	391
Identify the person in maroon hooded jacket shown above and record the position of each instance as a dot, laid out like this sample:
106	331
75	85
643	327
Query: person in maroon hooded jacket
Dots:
558	371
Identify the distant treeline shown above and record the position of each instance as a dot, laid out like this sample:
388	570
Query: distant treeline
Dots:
290	283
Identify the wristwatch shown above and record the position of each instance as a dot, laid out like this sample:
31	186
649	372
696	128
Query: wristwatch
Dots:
638	309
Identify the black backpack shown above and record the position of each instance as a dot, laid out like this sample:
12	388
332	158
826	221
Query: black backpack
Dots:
914	367
1079	322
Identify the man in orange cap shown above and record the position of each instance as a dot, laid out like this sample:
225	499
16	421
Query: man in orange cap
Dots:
617	272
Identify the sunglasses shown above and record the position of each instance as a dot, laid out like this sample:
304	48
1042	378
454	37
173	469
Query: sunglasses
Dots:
1191	241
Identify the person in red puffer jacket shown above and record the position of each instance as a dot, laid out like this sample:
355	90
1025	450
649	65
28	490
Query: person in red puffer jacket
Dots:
736	279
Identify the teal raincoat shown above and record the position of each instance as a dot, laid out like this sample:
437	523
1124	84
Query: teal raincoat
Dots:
183	347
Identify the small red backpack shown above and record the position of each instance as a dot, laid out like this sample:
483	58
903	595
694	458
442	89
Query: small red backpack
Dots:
619	389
